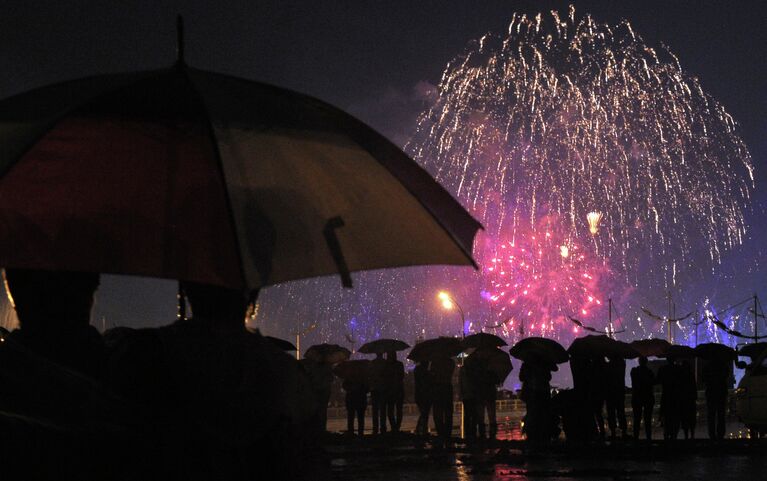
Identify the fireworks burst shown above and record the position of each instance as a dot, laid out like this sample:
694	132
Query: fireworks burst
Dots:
642	172
570	116
535	287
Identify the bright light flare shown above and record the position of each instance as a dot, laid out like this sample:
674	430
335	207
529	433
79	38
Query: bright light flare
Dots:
594	218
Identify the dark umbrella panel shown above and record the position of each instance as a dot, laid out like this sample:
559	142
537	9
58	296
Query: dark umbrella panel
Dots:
327	353
435	348
383	345
539	349
482	340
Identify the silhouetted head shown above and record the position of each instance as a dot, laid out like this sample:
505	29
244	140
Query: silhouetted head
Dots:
51	299
642	361
391	355
218	304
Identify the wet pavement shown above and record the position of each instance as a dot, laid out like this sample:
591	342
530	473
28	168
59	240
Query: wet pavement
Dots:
405	457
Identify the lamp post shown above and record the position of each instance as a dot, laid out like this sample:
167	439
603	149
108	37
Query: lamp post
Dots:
448	302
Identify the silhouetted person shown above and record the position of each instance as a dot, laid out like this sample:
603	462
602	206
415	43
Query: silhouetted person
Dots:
716	374
642	397
423	396
467	383
377	383
54	310
356	390
688	401
616	395
225	403
395	390
536	393
321	377
485	382
597	391
441	369
671	401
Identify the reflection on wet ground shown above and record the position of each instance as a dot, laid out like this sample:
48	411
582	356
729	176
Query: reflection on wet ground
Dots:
405	457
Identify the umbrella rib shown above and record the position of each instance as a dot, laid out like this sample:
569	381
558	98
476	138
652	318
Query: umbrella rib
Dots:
220	164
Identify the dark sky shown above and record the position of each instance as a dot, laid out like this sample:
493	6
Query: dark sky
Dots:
369	57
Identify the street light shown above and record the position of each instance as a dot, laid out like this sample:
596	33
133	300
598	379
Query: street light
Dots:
448	303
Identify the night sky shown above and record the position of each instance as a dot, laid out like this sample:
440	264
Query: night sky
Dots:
376	60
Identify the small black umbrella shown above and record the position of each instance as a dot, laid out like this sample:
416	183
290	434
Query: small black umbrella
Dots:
592	345
539	349
281	344
327	353
714	350
651	347
752	350
383	345
676	351
482	339
495	361
435	348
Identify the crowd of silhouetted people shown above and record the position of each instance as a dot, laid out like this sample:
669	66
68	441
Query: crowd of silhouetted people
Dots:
599	389
205	398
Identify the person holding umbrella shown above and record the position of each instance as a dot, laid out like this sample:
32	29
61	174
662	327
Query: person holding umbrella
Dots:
423	396
354	375
616	395
642	397
442	368
395	390
716	374
377	384
536	393
427	390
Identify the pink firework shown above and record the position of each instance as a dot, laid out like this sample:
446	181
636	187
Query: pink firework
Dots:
541	277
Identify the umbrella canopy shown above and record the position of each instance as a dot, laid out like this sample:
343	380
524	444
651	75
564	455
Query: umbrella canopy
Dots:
281	344
752	350
539	349
593	345
194	175
383	345
676	351
651	347
327	353
495	361
714	350
356	370
482	339
435	348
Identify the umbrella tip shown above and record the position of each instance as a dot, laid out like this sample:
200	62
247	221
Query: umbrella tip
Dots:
180	40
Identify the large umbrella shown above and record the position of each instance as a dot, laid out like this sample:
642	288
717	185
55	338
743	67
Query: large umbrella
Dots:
539	349
752	350
383	345
482	339
714	350
327	353
435	348
651	347
593	345
188	174
495	361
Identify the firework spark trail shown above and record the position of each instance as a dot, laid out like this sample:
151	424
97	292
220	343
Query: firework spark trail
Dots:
570	115
557	118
